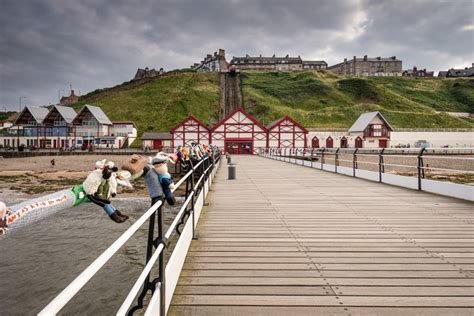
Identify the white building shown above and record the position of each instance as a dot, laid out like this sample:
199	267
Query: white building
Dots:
61	127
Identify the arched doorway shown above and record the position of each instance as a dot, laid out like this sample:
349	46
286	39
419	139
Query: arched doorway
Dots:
329	142
344	142
315	142
358	142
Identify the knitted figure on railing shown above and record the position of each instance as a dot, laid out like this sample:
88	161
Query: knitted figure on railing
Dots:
3	218
160	164
100	185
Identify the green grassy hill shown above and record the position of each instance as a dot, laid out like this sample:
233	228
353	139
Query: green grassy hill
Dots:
158	105
323	99
316	99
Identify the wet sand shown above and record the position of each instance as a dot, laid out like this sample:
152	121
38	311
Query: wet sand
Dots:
36	175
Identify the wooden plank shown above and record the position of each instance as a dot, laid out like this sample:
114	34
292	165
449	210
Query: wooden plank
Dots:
288	240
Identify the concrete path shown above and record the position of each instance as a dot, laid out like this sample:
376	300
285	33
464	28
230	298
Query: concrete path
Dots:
289	240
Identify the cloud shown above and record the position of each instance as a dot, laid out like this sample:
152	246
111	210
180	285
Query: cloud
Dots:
45	45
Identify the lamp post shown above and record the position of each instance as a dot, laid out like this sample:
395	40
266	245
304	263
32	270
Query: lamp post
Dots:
22	97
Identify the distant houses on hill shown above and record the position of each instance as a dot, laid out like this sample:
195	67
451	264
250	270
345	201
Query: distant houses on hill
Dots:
454	73
415	72
378	66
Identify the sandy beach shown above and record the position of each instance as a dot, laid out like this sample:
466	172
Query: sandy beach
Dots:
36	175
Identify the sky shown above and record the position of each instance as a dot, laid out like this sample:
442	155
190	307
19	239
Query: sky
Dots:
48	45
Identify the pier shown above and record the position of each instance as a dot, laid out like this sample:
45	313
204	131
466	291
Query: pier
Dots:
284	239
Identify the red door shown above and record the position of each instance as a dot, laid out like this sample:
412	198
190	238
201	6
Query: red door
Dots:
382	143
239	147
157	144
358	142
329	142
54	143
62	143
315	142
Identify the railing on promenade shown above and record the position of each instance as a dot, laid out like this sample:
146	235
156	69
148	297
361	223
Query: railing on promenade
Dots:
410	167
162	286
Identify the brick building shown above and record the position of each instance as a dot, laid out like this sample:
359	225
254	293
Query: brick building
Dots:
365	66
147	73
212	63
273	63
415	72
71	99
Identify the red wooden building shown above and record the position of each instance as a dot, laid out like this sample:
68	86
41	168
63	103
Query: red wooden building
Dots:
239	133
286	132
191	130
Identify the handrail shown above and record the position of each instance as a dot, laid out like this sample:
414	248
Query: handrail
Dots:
420	164
78	283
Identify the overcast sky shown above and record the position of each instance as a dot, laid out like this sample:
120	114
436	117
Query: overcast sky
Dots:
46	45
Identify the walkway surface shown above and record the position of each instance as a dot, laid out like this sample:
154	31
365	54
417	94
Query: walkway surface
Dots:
290	240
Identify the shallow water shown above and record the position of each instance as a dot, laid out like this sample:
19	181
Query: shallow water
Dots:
36	263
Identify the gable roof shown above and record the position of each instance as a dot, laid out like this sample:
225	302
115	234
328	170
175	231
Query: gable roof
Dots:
241	110
364	120
190	117
67	113
96	112
286	117
37	113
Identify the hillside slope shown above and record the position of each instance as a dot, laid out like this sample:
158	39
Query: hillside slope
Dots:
316	99
323	99
160	104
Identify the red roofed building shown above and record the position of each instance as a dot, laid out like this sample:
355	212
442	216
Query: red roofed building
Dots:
191	130
286	132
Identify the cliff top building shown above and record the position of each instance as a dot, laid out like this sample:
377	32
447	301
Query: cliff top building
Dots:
378	66
212	63
71	99
273	63
148	73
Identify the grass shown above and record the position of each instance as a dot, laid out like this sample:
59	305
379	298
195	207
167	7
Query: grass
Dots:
323	99
314	98
161	104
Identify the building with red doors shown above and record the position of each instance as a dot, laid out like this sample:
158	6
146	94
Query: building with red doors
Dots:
286	132
239	133
189	131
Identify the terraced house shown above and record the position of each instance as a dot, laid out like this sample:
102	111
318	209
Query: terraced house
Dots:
363	67
61	127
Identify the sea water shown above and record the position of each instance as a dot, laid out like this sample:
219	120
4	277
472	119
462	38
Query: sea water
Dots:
38	262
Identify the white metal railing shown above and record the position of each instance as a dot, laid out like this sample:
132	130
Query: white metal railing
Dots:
78	283
416	171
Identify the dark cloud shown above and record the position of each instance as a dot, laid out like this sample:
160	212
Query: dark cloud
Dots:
46	45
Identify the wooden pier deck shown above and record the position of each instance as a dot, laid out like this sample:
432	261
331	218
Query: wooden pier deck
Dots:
289	240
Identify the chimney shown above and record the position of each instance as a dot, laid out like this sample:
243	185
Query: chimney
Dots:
378	58
414	68
472	66
287	56
221	52
209	55
394	57
345	60
365	57
72	92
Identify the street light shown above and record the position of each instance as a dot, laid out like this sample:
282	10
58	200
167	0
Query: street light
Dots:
22	97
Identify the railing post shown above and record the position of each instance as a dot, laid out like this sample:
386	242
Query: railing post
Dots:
381	165
322	158
354	162
161	262
336	160
421	169
311	157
